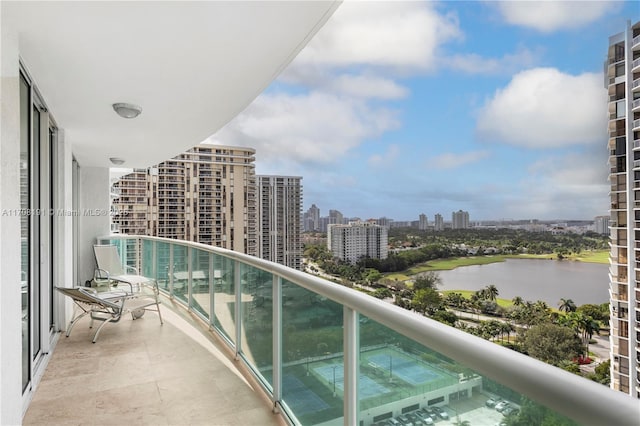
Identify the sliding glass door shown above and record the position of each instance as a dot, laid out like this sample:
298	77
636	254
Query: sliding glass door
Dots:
37	222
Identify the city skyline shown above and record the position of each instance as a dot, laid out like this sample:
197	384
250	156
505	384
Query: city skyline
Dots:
493	108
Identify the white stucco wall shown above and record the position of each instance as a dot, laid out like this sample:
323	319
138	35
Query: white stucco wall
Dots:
93	216
10	297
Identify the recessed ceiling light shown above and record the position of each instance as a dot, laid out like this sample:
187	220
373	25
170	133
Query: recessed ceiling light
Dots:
127	110
116	161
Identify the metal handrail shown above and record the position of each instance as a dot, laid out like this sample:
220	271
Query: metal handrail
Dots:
580	399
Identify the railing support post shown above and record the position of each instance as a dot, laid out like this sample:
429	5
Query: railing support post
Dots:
351	366
238	311
212	290
170	270
277	342
189	278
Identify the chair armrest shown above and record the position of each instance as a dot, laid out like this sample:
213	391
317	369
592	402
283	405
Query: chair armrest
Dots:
135	270
100	274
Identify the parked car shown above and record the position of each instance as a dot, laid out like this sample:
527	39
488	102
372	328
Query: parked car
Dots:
490	403
425	416
501	406
404	420
510	410
441	413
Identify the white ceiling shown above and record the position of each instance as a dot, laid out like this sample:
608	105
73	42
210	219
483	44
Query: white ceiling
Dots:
191	66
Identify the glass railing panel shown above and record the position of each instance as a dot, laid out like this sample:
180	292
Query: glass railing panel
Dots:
402	379
201	283
257	320
312	356
162	264
180	273
224	297
147	259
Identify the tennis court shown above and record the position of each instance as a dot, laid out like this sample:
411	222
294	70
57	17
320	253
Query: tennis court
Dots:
300	398
409	370
367	386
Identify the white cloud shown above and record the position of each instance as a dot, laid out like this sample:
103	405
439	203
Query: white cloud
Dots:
452	160
571	186
543	107
309	128
390	154
508	64
363	86
549	16
388	34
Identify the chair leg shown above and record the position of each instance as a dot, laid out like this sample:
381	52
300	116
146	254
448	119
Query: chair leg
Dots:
95	336
159	313
74	321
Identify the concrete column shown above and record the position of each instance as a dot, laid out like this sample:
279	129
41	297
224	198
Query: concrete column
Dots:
11	404
93	216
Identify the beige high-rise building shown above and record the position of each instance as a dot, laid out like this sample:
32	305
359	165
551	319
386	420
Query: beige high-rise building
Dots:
207	195
358	240
622	79
279	219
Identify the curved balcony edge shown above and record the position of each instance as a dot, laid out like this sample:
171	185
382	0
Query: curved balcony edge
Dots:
580	399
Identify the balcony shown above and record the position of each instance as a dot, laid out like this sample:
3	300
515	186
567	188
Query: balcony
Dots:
635	84
142	373
635	42
636	124
321	352
635	65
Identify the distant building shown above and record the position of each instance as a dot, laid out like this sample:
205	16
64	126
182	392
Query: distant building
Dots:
335	217
622	81
423	223
206	194
279	205
311	219
385	221
438	222
357	240
460	220
601	225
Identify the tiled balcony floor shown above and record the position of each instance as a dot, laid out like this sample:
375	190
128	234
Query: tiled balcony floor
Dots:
142	373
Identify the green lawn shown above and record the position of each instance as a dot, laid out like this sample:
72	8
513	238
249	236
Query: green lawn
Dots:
454	262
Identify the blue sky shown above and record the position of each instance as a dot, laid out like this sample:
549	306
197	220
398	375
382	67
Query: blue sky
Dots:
396	109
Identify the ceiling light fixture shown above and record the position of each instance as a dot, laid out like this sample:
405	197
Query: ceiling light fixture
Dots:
127	110
116	161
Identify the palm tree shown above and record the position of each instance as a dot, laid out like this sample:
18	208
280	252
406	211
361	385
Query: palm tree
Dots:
567	305
517	301
491	292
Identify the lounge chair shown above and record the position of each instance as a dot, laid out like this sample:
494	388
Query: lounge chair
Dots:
110	269
107	306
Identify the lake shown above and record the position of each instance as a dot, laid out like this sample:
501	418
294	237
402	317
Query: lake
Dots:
535	279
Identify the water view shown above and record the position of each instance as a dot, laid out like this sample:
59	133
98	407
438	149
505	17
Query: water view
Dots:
533	279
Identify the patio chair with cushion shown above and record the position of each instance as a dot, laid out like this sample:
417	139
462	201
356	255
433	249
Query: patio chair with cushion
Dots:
110	270
108	306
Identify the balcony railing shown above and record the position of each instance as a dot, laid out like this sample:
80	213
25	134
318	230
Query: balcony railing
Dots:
635	64
328	354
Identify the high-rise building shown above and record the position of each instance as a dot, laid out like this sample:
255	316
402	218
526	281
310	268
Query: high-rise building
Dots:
601	225
335	217
438	222
622	80
357	240
460	220
279	227
206	194
423	223
311	219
